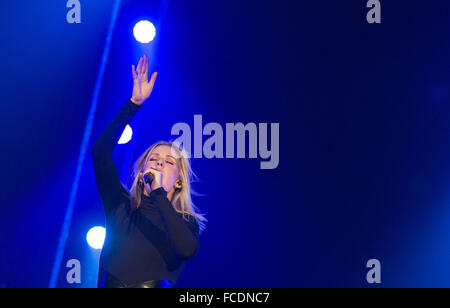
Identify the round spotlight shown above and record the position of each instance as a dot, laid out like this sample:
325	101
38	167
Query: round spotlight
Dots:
126	135
96	237
144	31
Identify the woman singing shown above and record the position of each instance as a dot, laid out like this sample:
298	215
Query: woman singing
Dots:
152	229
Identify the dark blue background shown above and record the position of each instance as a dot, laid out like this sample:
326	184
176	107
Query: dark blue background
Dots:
364	135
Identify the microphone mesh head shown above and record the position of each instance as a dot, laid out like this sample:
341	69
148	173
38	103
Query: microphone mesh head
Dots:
148	178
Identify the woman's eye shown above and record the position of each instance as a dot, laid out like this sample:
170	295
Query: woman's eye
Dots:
152	159
169	162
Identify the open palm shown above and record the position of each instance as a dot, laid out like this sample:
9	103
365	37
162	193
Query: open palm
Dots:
142	88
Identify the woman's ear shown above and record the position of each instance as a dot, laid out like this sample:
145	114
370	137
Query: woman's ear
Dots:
178	184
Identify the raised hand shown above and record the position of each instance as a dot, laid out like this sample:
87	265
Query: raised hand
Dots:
142	88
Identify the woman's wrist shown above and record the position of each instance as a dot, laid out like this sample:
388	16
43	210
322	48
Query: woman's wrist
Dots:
136	102
160	191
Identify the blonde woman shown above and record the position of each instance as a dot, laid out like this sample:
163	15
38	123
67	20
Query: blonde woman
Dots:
152	229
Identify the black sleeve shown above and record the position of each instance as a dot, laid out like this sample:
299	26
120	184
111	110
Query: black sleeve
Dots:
183	234
107	179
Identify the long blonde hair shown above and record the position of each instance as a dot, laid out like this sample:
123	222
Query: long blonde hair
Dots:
181	199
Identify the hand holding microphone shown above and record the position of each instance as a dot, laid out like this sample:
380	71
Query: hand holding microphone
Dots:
148	178
153	179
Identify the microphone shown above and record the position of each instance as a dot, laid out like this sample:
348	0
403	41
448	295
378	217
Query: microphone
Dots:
148	178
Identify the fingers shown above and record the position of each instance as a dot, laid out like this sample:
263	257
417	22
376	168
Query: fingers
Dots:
139	67
134	72
142	70
152	80
145	67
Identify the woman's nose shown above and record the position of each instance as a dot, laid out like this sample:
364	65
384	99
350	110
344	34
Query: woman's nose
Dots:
159	163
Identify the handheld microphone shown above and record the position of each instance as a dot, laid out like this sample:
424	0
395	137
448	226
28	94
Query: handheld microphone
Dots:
148	178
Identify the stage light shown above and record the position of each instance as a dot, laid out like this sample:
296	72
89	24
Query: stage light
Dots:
126	135
144	31
96	237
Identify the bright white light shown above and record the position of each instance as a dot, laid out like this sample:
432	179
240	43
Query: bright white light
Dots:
96	237
126	135
144	31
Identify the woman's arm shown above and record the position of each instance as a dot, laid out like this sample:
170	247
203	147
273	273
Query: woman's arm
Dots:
183	235
106	176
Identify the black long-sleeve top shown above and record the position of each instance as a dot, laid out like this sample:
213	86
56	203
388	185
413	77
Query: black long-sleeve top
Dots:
150	243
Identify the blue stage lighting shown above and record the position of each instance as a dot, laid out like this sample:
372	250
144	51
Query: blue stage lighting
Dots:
126	135
144	31
96	237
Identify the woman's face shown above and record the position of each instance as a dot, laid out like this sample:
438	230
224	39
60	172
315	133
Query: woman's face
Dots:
163	160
